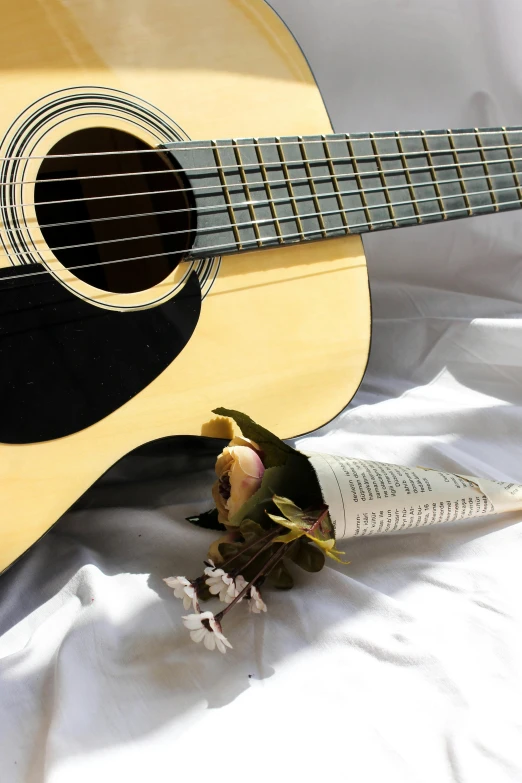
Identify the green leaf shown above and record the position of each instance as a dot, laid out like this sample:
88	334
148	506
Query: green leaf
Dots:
281	577
228	550
275	451
295	519
252	570
307	520
328	547
251	530
207	520
315	525
293	513
300	482
255	506
214	552
285	538
307	556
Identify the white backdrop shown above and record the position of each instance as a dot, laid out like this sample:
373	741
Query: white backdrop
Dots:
404	666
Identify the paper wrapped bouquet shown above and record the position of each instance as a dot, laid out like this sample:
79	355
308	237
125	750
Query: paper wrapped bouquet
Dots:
277	508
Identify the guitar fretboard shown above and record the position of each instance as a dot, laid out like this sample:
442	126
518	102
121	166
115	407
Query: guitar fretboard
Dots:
255	193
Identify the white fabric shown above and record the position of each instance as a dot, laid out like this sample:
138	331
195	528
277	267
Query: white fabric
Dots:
405	666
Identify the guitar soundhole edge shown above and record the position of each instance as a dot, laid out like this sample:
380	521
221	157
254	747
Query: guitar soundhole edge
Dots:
93	195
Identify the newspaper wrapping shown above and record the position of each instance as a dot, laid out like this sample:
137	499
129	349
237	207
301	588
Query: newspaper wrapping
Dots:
372	498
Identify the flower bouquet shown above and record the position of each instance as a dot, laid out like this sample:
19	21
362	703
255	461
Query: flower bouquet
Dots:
277	508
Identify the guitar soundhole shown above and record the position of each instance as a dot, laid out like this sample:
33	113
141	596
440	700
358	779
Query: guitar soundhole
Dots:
96	210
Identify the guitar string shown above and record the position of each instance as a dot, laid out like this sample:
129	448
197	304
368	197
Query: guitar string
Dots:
261	222
267	163
241	185
291	140
254	242
261	202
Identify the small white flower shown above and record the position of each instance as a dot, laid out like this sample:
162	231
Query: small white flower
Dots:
219	582
205	628
209	571
183	588
256	605
238	584
241	583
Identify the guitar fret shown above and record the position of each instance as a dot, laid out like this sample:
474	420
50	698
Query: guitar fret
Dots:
382	178
398	197
312	185
289	187
408	177
512	163
335	183
460	174
226	193
487	172
268	190
359	183
433	175
486	169
255	193
247	193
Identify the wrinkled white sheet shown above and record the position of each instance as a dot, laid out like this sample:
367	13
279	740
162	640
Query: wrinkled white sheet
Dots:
405	666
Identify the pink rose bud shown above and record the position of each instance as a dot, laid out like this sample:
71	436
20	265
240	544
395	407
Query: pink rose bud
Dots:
239	470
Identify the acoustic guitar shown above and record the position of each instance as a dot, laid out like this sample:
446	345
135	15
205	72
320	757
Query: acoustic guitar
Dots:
167	171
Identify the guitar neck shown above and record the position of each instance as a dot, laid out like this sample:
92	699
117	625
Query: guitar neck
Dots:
256	193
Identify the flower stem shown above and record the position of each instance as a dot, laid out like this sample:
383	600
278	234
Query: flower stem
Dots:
271	534
254	556
281	552
318	521
201	580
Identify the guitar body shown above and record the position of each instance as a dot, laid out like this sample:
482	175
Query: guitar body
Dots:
282	334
